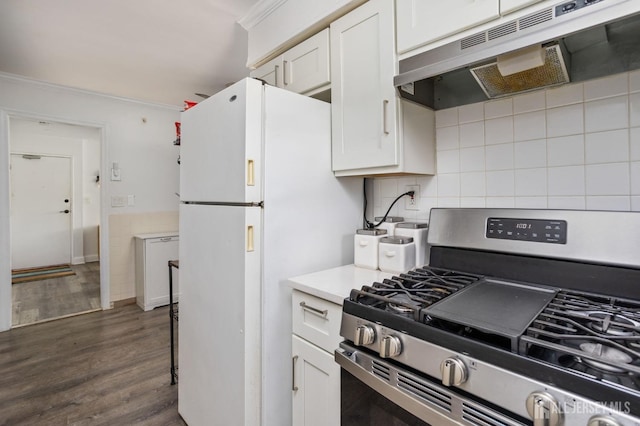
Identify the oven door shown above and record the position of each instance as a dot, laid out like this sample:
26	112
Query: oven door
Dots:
375	391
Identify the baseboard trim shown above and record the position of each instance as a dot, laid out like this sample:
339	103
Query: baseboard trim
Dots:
91	258
124	302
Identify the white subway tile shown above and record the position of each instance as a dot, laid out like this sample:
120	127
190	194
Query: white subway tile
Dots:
607	179
449	185
634	81
448	161
500	183
569	203
564	95
607	147
566	181
377	197
447	138
528	102
388	187
473	202
635	204
449	202
614	85
501	108
471	112
635	178
565	151
634	109
498	130
472	134
609	203
428	186
426	204
499	157
566	120
531	202
386	202
606	114
528	126
447	117
634	139
472	184
472	159
531	182
530	154
501	202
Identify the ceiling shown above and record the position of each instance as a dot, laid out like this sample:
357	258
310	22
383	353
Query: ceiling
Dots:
161	51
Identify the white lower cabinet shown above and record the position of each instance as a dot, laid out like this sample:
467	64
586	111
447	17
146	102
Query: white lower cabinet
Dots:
316	376
153	253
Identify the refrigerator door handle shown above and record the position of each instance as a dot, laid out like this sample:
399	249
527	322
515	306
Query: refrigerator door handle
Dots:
250	173
250	238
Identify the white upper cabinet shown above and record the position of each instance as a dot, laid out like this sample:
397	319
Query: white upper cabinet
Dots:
507	6
302	69
423	21
373	131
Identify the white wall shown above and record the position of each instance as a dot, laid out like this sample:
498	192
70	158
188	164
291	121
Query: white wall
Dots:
572	147
137	135
33	137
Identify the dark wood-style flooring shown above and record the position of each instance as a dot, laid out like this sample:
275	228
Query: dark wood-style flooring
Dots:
103	368
44	300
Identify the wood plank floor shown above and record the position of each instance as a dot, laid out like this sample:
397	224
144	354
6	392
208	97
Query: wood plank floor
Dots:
103	368
57	297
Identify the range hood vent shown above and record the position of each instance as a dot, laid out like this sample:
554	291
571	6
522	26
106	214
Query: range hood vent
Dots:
581	41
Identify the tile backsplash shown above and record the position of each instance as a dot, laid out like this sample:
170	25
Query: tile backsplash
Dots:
576	146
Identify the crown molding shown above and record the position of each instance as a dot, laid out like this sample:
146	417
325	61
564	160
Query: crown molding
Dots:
259	12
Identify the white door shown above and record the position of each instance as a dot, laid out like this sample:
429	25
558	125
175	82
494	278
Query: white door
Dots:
40	210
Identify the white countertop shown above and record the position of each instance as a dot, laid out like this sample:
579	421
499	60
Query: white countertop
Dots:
335	284
157	235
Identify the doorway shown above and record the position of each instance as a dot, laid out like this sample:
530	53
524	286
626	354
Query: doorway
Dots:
55	218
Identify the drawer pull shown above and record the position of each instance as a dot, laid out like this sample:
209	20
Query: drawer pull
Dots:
316	311
293	375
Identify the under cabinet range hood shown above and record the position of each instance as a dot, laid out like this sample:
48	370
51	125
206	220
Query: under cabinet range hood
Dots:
570	41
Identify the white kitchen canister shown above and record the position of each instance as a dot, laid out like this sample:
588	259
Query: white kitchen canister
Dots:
365	247
396	254
418	231
389	223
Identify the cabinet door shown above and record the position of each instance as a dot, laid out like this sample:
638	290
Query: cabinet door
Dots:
306	66
422	21
158	252
316	401
363	108
271	72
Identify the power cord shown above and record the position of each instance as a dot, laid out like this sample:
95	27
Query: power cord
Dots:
369	225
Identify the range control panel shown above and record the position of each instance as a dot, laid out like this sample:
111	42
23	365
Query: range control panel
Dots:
572	6
536	230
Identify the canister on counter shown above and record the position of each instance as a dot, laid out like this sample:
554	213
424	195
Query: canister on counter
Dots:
418	231
365	247
389	223
396	254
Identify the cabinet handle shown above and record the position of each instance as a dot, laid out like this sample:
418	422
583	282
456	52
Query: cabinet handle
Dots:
250	238
276	75
165	239
385	104
293	373
317	311
250	173
284	72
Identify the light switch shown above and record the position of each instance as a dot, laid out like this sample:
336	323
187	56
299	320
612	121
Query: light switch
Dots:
131	200
118	200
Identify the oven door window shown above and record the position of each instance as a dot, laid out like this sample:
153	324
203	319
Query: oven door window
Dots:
362	406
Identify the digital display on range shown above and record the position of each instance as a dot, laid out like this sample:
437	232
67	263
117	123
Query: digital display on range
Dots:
536	230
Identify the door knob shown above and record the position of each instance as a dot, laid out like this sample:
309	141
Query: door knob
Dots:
66	200
64	211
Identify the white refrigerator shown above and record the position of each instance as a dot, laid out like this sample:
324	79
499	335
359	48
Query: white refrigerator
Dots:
259	204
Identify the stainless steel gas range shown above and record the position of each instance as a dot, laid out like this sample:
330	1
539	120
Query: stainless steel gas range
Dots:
522	317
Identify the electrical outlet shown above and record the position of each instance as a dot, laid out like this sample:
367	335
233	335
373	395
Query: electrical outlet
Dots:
412	203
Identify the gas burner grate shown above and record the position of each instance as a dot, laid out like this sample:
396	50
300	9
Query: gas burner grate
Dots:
408	293
592	334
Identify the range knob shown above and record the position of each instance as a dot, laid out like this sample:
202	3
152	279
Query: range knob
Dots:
602	420
454	372
390	346
543	409
365	335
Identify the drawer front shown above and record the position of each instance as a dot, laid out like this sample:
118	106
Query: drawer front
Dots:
317	320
